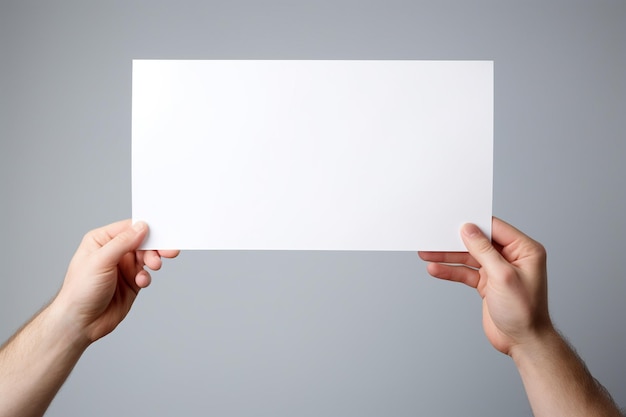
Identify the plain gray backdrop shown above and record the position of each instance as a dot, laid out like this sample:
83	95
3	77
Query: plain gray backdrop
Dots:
314	333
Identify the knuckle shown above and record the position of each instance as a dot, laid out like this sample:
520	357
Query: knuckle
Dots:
537	249
90	235
124	238
484	246
98	236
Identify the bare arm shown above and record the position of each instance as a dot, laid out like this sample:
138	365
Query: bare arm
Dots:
557	381
102	282
36	361
510	276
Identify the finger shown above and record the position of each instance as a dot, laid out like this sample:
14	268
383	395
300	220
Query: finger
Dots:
467	276
480	247
124	242
129	266
504	234
97	238
152	259
169	253
463	258
143	278
513	243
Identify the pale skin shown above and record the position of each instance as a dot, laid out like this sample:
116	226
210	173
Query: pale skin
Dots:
107	272
103	279
510	276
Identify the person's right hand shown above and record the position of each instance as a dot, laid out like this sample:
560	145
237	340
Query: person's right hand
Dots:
105	276
510	275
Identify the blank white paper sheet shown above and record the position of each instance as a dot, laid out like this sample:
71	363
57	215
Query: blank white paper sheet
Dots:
311	155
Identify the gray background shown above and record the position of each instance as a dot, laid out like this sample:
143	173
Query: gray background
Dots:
314	333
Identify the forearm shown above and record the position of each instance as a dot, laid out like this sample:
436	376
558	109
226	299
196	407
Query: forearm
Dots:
35	363
557	381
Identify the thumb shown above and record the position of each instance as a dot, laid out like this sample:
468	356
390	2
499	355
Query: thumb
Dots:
124	242
480	247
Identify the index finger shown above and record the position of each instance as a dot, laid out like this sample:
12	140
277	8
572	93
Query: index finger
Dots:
458	258
168	253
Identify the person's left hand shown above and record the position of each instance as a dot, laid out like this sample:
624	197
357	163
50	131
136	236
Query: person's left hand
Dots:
105	276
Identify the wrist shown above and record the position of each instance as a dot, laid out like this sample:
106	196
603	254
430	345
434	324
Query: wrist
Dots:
540	346
73	336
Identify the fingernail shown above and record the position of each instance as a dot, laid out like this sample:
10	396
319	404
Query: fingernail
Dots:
470	230
139	226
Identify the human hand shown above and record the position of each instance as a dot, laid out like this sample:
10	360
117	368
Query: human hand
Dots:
511	277
105	276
